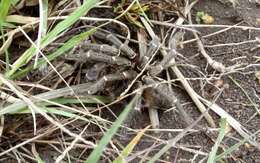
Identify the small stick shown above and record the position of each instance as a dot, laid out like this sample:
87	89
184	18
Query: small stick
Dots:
184	82
100	57
192	94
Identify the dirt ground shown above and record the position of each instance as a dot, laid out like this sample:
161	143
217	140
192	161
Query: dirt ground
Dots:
236	100
232	99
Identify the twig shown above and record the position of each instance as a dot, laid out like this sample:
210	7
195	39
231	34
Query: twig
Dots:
214	64
211	34
182	79
184	82
247	95
232	122
185	26
192	94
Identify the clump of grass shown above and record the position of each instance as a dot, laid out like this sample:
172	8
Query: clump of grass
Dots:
51	36
96	153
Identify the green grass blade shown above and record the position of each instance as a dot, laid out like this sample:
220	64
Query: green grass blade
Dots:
45	16
230	150
51	36
39	160
56	111
129	148
4	8
19	106
66	46
14	2
96	154
88	100
8	25
223	127
42	30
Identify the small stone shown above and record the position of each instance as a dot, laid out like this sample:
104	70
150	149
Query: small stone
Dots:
257	75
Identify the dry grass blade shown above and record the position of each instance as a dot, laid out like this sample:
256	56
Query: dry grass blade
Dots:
36	154
42	30
223	128
35	108
20	19
21	96
18	105
51	36
60	157
129	148
2	120
231	121
7	43
8	98
247	95
4	6
95	155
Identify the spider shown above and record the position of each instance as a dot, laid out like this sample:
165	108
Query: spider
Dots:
126	64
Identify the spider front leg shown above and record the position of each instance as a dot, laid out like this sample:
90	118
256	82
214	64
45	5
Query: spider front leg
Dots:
100	57
152	48
101	48
100	84
115	41
167	61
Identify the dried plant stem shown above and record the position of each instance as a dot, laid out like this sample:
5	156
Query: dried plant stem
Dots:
193	96
231	121
214	64
184	82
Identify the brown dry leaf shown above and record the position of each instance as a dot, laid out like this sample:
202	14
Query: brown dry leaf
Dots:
257	75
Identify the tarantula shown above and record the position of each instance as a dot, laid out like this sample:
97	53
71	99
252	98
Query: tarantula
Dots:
127	65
